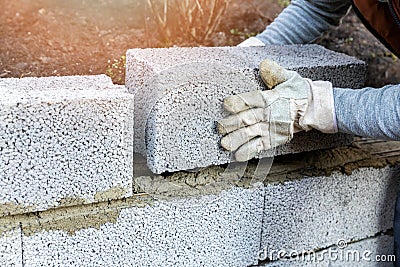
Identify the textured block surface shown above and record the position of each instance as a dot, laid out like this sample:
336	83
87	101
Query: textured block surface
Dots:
221	230
316	212
63	141
179	94
371	252
217	230
217	217
10	245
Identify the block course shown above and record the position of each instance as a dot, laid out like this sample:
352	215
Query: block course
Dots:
218	230
290	210
179	94
64	141
316	212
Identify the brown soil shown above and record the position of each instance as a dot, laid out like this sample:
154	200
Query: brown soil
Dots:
354	39
77	37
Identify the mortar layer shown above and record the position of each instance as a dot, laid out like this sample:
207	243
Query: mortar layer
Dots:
284	168
112	193
210	181
72	219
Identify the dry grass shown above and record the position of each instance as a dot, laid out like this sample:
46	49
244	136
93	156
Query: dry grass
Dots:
191	21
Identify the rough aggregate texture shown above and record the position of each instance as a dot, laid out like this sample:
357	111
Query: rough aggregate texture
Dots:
223	217
179	94
315	212
63	141
221	230
362	253
10	246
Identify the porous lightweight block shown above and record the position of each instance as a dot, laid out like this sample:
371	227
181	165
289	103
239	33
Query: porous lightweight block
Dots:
10	244
232	219
219	230
315	212
63	141
179	94
371	252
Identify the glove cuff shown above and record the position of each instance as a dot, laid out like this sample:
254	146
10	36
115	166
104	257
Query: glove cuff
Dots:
252	41
320	112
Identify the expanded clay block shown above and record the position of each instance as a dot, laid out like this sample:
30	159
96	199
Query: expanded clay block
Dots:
219	230
10	245
316	212
64	141
179	94
371	252
230	228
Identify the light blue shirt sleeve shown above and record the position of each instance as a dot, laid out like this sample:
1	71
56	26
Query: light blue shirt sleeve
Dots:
367	112
304	21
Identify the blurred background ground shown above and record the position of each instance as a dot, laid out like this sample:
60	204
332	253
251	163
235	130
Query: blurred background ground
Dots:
78	37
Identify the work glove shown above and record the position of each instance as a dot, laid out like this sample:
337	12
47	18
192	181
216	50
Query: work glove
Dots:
252	41
262	120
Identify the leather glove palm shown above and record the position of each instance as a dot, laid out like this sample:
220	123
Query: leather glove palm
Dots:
262	120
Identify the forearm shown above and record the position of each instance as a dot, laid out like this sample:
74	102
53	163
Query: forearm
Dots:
304	21
369	112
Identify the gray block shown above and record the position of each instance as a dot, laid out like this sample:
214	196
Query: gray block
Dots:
315	212
217	218
219	230
179	94
10	244
64	141
371	252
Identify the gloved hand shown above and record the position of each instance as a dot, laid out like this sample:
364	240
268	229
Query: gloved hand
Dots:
252	41
262	120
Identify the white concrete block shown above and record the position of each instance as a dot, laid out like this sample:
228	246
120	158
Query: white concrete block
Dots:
220	230
230	228
179	94
10	245
63	141
315	212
